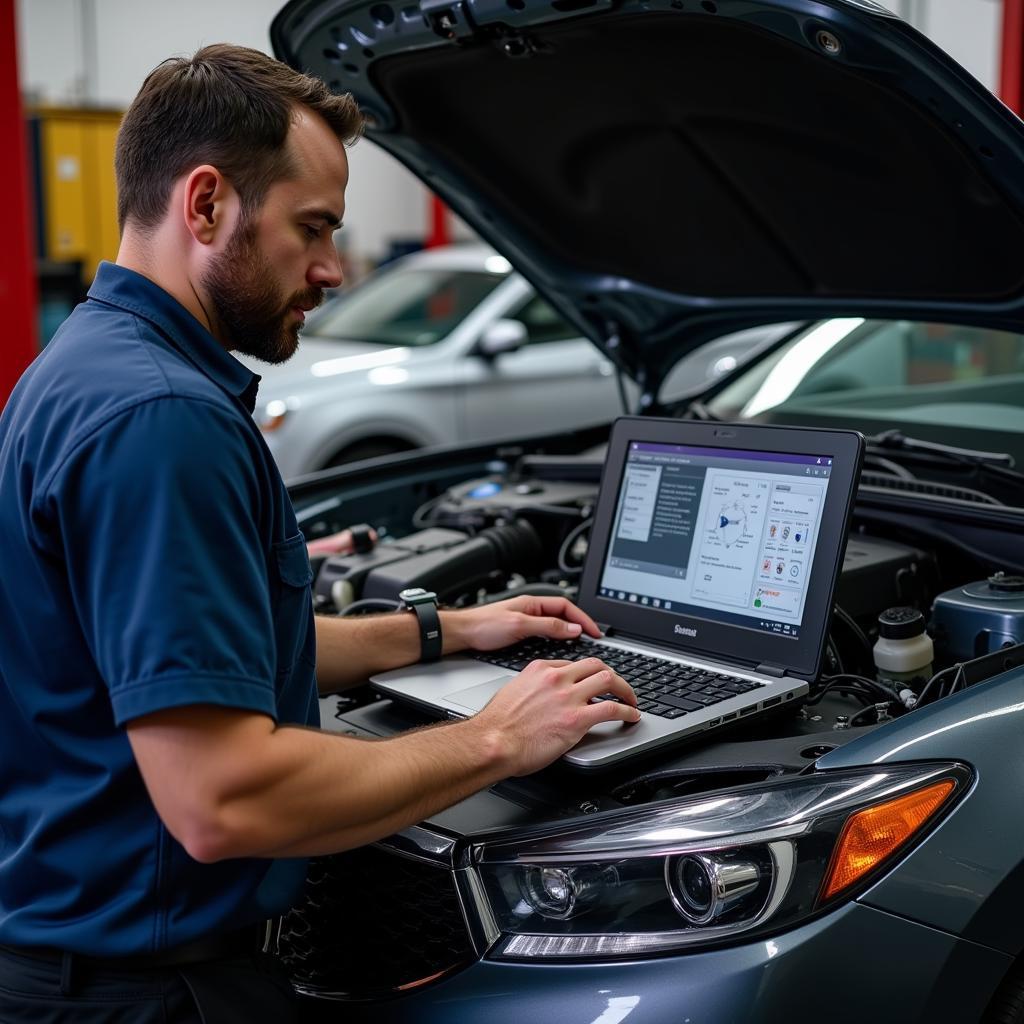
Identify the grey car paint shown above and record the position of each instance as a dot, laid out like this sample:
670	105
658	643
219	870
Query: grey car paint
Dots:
337	395
967	878
806	974
340	393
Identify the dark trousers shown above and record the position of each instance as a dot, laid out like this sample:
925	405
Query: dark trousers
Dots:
236	990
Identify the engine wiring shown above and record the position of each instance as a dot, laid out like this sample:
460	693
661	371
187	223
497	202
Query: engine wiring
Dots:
419	517
368	604
855	630
959	682
849	683
879	698
563	552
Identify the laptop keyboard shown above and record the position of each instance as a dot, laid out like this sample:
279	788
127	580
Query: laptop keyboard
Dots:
664	688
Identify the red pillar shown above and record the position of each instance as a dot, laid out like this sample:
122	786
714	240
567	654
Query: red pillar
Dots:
1011	67
440	231
18	344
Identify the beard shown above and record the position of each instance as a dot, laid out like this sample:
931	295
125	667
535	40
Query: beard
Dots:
249	307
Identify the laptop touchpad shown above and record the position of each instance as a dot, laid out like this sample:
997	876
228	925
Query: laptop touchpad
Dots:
477	696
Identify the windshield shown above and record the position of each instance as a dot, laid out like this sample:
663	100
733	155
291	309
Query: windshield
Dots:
411	306
945	383
933	374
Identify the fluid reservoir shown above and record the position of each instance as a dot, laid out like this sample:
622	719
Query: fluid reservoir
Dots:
904	650
979	618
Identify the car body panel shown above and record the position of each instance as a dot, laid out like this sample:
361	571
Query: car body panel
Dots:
341	393
664	173
968	878
758	983
705	167
560	384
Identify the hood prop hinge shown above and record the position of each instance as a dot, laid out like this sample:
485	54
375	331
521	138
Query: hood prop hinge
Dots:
612	344
450	19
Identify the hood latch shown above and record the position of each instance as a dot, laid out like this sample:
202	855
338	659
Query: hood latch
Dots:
450	19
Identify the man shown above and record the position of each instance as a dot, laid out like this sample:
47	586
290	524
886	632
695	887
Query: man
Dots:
157	676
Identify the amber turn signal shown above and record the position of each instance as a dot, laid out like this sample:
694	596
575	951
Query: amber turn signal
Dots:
871	835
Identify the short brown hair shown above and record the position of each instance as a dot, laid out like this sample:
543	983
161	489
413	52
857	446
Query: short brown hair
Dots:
229	106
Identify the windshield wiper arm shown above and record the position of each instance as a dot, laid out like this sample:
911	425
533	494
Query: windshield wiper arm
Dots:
895	440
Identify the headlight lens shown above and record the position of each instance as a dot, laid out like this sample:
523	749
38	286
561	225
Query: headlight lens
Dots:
273	415
673	874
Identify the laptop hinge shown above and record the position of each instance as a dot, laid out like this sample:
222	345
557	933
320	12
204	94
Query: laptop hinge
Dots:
768	669
645	641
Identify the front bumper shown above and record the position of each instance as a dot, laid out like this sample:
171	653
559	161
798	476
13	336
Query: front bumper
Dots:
856	964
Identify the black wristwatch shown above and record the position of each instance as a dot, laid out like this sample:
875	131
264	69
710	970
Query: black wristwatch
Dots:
424	604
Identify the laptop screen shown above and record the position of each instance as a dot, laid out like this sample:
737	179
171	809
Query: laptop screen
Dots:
723	534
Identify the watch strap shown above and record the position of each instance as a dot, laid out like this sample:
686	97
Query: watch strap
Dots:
430	630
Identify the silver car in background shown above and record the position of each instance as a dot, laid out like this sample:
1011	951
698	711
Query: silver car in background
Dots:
446	346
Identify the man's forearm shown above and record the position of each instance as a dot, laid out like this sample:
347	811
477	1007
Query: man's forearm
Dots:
399	782
310	793
351	649
229	783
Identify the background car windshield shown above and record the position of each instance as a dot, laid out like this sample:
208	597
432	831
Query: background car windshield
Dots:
927	379
411	306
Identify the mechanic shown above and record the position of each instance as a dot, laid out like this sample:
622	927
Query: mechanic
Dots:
163	774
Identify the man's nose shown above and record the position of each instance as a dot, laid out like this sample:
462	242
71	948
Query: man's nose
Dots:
326	272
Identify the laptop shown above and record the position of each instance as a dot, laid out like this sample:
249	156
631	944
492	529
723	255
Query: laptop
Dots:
711	568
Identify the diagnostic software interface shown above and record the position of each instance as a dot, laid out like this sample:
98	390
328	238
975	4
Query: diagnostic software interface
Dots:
723	534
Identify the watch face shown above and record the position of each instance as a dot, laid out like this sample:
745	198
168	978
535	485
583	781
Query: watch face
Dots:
417	595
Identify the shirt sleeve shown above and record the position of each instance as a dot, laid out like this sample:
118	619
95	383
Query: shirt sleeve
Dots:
157	518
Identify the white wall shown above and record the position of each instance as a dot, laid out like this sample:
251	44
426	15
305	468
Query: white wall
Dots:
99	51
968	30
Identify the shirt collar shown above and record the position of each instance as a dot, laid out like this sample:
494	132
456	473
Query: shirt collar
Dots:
124	288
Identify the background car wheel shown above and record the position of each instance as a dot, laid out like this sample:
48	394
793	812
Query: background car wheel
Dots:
371	448
1007	1006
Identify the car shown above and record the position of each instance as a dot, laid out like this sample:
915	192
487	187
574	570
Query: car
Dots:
443	346
665	172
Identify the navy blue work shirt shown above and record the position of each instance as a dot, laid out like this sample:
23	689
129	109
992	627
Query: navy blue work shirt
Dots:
149	559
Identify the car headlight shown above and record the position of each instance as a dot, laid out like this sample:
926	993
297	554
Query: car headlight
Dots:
273	415
706	869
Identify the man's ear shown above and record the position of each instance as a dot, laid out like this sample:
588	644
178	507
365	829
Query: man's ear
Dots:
210	204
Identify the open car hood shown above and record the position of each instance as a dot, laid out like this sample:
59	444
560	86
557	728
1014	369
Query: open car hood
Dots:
665	171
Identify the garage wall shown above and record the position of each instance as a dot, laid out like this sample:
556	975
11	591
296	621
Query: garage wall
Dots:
99	51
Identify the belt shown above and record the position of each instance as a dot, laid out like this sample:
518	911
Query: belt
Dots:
245	941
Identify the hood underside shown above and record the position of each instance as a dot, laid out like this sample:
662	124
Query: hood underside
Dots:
667	171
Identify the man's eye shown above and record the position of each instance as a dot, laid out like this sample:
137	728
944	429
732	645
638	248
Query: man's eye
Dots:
311	230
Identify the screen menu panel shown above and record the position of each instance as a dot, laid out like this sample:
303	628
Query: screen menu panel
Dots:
724	534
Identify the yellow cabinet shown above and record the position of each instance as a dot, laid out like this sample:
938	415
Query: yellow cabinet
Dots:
76	177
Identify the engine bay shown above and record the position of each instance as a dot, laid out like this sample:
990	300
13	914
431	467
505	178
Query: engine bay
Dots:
523	529
514	522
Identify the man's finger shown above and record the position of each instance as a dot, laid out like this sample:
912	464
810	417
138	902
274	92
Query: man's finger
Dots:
564	609
606	682
577	671
557	629
608	711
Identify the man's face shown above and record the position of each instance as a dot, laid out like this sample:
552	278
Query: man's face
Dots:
278	261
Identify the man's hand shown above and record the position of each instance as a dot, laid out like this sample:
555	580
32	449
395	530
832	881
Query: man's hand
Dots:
336	544
488	627
547	709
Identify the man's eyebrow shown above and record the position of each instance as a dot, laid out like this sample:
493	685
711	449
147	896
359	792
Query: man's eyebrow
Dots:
326	216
